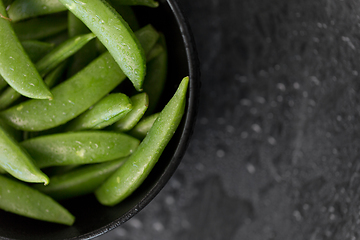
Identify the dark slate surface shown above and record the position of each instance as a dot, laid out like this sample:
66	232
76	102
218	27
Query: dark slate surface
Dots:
275	153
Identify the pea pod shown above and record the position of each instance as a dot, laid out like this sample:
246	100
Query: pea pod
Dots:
23	9
155	79
15	66
99	78
104	113
48	63
148	3
20	199
79	148
61	52
87	53
17	162
81	181
39	28
140	104
154	52
127	14
143	127
9	96
134	171
115	34
36	49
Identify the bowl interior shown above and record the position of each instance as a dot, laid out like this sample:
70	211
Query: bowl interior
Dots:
93	219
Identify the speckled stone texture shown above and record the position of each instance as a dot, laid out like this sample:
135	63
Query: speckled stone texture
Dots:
276	150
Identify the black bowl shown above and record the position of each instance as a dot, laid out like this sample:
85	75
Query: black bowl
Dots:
93	219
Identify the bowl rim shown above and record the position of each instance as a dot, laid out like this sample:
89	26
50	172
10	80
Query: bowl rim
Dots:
189	122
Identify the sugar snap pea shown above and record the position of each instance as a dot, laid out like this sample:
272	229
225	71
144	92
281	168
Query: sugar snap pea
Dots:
140	104
115	34
17	162
79	147
48	63
42	27
99	78
104	113
148	3
16	67
36	49
134	171
87	53
80	181
18	198
61	52
143	127
23	9
155	79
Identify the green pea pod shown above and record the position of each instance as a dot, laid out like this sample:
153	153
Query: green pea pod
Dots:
155	79
9	96
87	53
36	49
154	52
128	15
61	52
23	200
143	127
39	28
81	181
134	171
115	34
140	104
79	148
104	113
70	100
148	3
16	134
15	66
16	161
24	9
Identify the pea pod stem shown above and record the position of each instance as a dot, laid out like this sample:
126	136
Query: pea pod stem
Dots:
18	198
115	34
16	67
134	171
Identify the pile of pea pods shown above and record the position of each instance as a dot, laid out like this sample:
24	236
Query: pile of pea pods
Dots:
68	127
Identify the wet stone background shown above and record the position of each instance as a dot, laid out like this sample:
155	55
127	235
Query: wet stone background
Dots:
275	153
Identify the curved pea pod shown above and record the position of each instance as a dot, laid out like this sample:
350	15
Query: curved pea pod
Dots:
148	3
9	96
155	79
79	148
36	49
62	52
127	14
17	162
39	28
143	127
115	34
23	9
20	199
81	181
140	104
104	113
16	67
87	53
134	171
70	100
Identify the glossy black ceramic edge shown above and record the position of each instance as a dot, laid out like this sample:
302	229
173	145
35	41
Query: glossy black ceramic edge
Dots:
193	102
